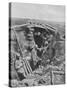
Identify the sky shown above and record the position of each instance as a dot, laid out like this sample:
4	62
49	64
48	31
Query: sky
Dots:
38	11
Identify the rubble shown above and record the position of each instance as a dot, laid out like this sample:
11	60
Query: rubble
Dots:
36	56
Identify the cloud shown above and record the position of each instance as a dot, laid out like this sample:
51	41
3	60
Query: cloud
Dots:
38	11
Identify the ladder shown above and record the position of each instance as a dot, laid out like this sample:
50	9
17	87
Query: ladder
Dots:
27	67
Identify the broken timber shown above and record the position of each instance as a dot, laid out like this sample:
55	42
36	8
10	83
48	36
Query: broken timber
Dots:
26	67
